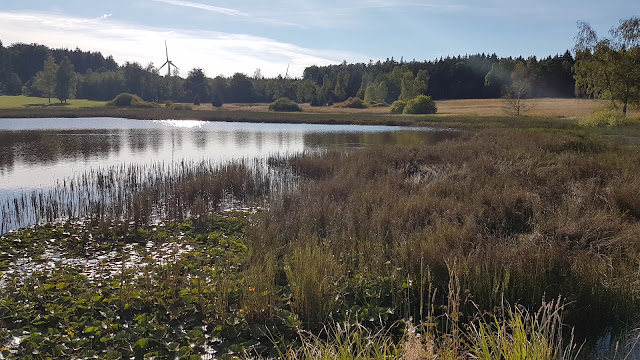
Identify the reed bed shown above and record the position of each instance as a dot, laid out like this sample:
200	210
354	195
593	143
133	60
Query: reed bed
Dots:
141	194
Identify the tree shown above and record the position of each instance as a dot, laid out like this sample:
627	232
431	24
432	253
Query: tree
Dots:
413	86
65	81
45	80
376	93
216	99
517	96
608	68
241	89
342	82
197	85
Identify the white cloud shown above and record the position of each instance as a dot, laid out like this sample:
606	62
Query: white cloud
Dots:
216	9
215	52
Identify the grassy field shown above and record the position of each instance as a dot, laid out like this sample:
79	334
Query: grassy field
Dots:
26	102
555	108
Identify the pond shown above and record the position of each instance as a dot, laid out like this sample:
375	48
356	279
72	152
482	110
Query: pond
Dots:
37	154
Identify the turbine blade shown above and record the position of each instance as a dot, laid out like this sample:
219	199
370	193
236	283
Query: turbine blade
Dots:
166	49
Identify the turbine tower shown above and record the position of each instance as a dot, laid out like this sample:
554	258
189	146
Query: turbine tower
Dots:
168	63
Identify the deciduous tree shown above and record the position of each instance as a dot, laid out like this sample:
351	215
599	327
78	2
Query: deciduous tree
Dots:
65	81
45	80
608	68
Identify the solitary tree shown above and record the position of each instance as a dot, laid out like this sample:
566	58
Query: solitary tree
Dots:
45	80
608	68
517	95
65	81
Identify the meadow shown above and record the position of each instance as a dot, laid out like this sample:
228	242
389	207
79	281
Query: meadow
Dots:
27	102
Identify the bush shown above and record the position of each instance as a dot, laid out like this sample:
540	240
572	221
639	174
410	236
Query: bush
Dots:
376	104
216	100
420	104
284	104
352	102
126	99
180	107
196	100
398	106
604	117
141	103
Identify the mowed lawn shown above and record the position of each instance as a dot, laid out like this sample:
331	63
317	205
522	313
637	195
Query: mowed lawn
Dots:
16	102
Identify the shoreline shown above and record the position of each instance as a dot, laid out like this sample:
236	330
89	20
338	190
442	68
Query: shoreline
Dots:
351	118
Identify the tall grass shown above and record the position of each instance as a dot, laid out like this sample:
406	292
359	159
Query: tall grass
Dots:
527	215
140	194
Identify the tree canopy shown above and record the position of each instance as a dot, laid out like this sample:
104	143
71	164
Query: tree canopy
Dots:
65	81
460	77
45	80
608	68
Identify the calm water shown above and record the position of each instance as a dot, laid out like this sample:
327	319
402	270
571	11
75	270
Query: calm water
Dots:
35	153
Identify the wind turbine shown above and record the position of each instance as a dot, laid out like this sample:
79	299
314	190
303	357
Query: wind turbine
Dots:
168	63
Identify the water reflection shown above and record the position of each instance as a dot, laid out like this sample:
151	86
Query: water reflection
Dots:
36	152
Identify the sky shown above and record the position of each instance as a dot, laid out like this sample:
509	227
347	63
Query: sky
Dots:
227	36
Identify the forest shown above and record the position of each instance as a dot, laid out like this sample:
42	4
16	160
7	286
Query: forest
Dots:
97	77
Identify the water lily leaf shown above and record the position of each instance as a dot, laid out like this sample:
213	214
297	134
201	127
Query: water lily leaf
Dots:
141	344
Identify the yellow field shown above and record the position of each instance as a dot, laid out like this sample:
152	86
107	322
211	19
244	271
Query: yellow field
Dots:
551	107
15	102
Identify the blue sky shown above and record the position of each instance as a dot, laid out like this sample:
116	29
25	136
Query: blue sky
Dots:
223	36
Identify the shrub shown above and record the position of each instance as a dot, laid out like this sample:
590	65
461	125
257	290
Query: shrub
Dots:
141	103
284	104
180	107
352	102
604	117
376	104
126	99
196	100
216	100
398	106
420	104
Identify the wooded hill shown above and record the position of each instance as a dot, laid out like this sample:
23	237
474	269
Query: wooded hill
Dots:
462	77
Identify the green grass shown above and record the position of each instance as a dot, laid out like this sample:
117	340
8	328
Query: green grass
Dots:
27	102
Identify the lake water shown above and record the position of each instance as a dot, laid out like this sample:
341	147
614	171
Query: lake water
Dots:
35	153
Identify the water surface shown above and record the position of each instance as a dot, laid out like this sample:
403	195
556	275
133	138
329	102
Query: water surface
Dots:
35	153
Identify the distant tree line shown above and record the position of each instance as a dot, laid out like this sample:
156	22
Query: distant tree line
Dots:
27	69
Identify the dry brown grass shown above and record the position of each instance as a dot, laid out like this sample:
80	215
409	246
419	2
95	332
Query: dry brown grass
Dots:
549	107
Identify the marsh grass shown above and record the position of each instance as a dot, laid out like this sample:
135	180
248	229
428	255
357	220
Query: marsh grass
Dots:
140	194
445	234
